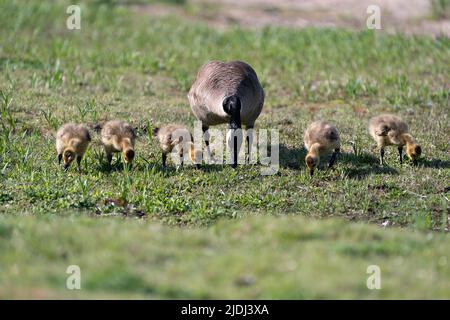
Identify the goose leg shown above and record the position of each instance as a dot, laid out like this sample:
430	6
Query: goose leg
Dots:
181	154
249	134
206	138
333	158
59	158
400	154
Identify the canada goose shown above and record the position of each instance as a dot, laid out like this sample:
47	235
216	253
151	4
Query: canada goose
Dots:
118	136
72	141
321	138
176	136
227	92
387	130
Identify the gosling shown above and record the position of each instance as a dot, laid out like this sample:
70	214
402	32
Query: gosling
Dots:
174	136
320	139
72	141
387	130
118	136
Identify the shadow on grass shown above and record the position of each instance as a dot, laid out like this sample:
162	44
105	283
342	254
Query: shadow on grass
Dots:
116	166
171	169
25	62
210	167
363	165
362	172
291	158
434	163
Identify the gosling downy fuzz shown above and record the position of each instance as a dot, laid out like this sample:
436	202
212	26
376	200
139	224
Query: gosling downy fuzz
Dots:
174	136
320	139
119	136
72	141
388	130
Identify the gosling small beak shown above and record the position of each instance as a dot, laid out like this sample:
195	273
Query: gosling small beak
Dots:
66	166
197	166
311	172
415	163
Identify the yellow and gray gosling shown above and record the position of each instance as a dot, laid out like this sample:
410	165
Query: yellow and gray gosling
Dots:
387	130
118	136
320	139
174	136
72	141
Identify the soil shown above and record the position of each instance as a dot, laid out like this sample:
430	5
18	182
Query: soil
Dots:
404	16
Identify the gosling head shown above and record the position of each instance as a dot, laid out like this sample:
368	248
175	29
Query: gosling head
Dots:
68	157
128	156
311	162
413	151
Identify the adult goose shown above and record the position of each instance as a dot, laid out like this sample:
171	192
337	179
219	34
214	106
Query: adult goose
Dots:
227	92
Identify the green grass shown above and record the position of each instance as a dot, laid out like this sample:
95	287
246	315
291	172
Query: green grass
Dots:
440	9
261	257
124	64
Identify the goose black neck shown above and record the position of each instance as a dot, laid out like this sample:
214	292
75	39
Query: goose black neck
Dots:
232	106
235	121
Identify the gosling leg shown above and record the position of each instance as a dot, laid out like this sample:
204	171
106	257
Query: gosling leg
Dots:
333	158
400	154
79	163
164	158
109	158
382	156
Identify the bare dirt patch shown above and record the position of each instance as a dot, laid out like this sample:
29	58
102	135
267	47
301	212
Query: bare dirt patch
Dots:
404	16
